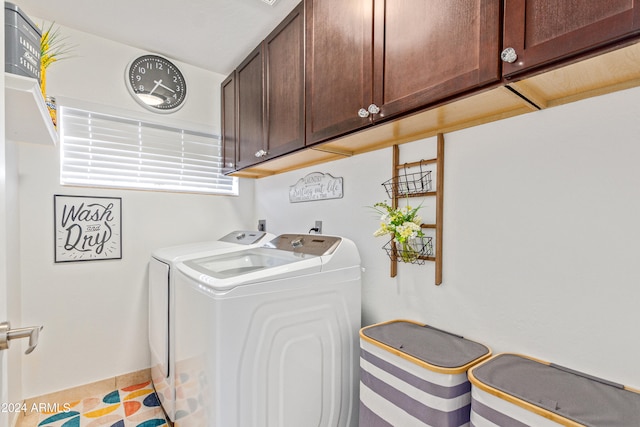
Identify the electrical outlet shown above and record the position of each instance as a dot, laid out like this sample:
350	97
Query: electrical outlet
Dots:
318	226
262	225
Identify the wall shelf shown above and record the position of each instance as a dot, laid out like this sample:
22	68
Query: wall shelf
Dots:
27	118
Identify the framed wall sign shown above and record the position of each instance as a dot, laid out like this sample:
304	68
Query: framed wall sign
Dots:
87	228
316	186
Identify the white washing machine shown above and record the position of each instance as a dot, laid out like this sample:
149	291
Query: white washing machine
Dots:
161	304
269	336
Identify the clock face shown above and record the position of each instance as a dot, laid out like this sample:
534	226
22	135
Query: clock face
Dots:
156	83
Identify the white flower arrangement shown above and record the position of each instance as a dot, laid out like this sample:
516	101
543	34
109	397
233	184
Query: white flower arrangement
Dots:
402	223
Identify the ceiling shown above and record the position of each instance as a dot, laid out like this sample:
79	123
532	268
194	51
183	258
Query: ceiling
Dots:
212	34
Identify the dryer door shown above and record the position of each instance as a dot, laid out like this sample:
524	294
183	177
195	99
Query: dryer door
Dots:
159	318
162	369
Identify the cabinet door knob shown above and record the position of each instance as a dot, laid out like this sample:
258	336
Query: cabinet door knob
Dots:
373	109
509	55
260	153
363	113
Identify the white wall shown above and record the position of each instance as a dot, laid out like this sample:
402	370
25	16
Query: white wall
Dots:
95	313
541	233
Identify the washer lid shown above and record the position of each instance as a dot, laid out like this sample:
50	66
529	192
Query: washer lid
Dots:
243	262
234	241
176	253
226	271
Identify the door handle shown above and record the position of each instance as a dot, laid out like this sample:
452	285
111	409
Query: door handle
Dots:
7	334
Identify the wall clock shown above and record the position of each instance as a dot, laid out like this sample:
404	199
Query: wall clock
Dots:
156	83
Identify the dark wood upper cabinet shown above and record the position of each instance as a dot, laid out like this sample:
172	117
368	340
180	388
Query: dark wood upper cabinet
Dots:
335	67
229	129
397	55
284	85
250	119
543	32
270	95
339	71
427	51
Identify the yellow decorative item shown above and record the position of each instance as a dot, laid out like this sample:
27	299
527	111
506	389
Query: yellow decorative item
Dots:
43	81
52	48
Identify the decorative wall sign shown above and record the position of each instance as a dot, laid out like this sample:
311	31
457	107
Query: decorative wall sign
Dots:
87	228
316	186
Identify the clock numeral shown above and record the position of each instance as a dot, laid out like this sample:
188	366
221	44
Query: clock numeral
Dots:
138	77
158	66
142	70
141	88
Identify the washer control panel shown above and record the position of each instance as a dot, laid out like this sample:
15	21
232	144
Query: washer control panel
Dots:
243	237
312	244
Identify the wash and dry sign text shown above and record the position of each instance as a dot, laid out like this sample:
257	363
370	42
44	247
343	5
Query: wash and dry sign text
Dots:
87	228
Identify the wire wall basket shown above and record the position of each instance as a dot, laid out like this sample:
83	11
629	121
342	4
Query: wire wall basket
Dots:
408	184
415	251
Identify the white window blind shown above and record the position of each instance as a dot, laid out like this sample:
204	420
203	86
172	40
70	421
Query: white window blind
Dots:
109	151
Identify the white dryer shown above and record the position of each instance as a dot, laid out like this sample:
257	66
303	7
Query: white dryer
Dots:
161	304
269	336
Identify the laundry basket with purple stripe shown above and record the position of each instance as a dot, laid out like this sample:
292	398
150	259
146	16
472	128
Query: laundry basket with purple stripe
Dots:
415	375
511	390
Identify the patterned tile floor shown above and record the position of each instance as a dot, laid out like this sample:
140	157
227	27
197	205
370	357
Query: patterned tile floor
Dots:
134	406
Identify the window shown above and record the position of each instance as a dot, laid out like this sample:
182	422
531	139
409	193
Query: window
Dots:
109	151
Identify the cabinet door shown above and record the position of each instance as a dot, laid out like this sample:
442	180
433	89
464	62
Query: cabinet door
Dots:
229	130
338	66
428	50
250	118
284	76
544	31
